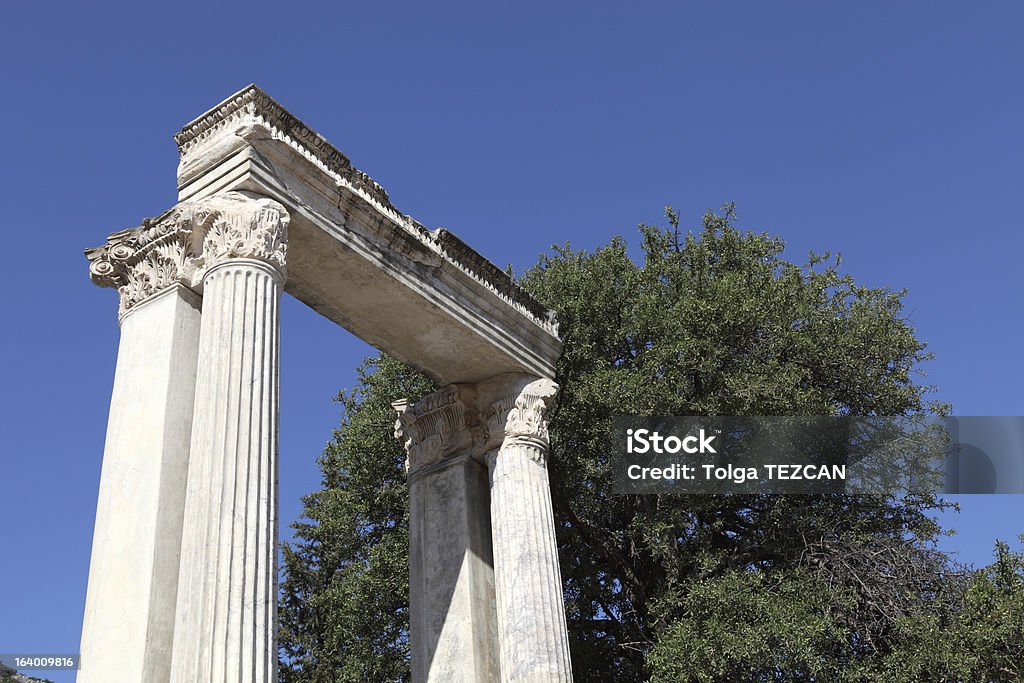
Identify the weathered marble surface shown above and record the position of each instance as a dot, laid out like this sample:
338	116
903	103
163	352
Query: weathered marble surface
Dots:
451	575
133	574
225	626
532	633
518	609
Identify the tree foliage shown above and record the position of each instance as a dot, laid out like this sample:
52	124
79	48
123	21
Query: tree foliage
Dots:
701	588
713	324
990	627
790	626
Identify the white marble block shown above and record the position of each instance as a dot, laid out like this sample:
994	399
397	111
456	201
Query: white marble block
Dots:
133	575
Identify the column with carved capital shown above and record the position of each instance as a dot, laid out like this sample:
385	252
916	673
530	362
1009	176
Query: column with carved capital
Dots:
532	634
451	575
128	625
227	593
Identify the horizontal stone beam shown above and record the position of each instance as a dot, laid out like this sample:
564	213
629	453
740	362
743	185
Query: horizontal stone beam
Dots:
421	295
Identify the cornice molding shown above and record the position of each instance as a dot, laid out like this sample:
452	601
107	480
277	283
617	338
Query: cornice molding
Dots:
498	281
251	105
183	243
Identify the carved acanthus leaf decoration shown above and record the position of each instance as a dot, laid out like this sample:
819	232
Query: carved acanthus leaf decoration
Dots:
522	415
235	225
144	261
180	245
437	426
466	419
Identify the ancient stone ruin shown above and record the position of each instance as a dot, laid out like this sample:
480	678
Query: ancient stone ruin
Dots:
183	576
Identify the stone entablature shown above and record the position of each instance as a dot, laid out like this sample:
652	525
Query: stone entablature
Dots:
181	245
251	106
473	420
252	114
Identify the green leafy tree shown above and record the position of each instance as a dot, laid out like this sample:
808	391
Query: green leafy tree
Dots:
720	324
766	626
714	323
990	627
754	625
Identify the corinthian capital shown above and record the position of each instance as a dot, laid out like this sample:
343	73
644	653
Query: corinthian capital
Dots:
239	225
140	262
520	413
179	246
438	426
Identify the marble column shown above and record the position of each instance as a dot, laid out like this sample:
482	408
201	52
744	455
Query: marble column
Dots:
226	607
532	635
451	575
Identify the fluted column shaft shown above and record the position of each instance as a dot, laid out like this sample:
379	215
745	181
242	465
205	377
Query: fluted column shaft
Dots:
532	634
226	609
502	421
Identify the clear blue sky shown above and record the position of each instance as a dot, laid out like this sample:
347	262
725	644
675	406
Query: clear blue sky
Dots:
891	132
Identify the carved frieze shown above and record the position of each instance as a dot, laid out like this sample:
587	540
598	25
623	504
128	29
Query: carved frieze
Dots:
182	244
